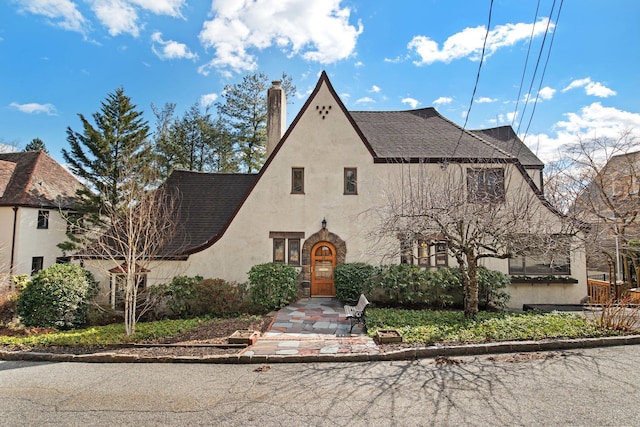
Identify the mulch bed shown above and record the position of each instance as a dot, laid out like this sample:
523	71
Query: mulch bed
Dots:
192	343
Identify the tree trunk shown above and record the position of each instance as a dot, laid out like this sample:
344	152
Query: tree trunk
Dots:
470	276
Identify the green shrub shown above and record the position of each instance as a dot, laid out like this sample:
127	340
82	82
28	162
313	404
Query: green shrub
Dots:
353	279
273	285
55	297
403	284
219	298
20	281
175	296
491	285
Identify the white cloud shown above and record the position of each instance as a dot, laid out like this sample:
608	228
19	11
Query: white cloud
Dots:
35	108
118	16
161	7
591	121
546	93
443	100
358	64
121	16
62	13
317	30
365	100
171	49
469	42
485	100
591	88
413	103
374	89
208	99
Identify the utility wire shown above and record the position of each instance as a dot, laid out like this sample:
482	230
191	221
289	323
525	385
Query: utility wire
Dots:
526	62
543	72
475	87
535	72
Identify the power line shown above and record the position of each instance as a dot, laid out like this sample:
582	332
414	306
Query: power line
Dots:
544	70
526	63
475	87
535	72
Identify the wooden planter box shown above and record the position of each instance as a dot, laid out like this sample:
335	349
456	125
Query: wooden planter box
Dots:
386	336
244	336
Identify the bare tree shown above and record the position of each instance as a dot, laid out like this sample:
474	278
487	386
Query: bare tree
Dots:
604	176
483	211
138	234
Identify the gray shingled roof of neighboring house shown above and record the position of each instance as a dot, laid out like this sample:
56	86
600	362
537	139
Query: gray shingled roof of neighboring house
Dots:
425	134
208	201
34	179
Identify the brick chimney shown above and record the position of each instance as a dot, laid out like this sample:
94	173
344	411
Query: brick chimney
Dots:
276	115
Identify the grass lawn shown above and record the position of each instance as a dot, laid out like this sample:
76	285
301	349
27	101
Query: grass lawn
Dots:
430	327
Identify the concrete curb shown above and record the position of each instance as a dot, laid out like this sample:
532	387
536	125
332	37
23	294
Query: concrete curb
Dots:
404	354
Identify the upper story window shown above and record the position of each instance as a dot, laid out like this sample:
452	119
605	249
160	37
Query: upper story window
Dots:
297	180
485	185
43	219
350	181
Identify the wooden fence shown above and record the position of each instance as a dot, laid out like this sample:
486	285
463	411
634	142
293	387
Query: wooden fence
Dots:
599	291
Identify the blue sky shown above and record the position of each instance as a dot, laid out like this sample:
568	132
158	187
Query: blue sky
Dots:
62	57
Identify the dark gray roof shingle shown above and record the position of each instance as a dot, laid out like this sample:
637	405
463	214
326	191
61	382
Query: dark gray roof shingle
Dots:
425	134
208	202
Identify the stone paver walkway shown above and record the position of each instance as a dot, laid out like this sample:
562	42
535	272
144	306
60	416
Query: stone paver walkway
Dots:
312	326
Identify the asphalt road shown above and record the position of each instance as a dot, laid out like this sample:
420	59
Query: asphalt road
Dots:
593	387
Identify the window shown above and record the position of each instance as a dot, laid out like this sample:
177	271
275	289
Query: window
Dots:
350	181
36	264
485	185
540	265
555	260
441	254
297	180
431	253
423	253
43	219
286	246
278	250
294	251
406	251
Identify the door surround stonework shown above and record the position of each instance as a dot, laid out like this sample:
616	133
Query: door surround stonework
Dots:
323	235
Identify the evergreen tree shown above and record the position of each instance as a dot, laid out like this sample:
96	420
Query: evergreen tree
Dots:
36	144
101	154
195	142
245	109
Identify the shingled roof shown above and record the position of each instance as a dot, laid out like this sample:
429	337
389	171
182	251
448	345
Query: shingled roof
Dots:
427	135
208	201
34	179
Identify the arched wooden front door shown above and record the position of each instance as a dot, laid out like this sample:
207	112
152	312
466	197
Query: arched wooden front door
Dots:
323	261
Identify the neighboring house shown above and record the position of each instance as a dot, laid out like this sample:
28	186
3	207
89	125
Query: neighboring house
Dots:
611	204
313	203
34	192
